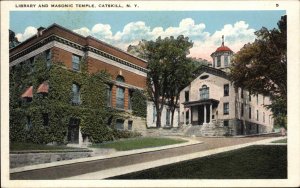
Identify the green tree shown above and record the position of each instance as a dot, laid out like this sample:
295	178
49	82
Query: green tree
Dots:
169	70
261	66
13	41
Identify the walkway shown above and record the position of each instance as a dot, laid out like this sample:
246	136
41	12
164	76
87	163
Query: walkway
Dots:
112	166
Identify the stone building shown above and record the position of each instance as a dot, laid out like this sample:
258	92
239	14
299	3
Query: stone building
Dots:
212	106
62	45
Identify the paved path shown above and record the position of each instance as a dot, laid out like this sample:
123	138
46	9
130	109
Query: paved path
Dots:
76	169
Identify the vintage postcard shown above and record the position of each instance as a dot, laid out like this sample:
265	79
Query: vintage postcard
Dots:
150	93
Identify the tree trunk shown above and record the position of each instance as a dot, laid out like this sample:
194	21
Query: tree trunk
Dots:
172	116
158	115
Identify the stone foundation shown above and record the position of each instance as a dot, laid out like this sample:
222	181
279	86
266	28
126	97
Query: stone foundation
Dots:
26	159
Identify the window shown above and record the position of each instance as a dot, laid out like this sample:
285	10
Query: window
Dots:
108	95
226	61
154	114
45	119
120	97
204	92
257	99
226	123
242	110
76	94
249	112
30	64
130	125
218	61
130	93
187	96
119	124
242	93
264	117
76	62
187	117
226	108
168	117
28	123
257	115
120	78
263	99
48	58
249	96
226	90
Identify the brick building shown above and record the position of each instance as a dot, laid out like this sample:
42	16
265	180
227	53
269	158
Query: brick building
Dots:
62	45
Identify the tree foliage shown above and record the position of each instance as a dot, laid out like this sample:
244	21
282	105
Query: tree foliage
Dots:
261	66
169	70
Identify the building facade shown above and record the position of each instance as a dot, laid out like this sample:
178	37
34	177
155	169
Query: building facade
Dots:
60	45
217	107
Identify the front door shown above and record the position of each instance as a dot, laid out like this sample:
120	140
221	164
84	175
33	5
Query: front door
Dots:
73	131
200	115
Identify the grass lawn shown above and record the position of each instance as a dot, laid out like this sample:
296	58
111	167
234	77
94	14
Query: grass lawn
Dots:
138	143
29	146
254	162
280	141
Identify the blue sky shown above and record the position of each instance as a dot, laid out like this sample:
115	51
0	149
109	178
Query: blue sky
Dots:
122	28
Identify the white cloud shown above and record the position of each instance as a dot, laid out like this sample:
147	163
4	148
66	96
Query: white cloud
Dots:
84	31
205	43
29	31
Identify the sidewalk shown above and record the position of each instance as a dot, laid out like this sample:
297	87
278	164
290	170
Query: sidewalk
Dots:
125	162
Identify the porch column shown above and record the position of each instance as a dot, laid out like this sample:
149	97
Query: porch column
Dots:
190	115
210	114
184	116
204	113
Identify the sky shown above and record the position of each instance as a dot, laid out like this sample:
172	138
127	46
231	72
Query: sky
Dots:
124	28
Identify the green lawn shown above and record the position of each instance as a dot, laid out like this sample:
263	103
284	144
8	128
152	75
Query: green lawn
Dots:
29	146
280	141
254	162
138	143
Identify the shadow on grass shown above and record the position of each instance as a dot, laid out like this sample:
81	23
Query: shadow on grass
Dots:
254	162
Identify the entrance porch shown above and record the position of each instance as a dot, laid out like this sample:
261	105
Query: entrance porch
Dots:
200	112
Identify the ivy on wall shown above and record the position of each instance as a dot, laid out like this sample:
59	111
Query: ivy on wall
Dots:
46	118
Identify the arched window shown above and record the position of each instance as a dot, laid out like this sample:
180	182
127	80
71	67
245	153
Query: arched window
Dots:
204	92
120	97
75	94
120	93
120	78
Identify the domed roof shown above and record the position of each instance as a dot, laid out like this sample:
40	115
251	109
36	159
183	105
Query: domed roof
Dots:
223	48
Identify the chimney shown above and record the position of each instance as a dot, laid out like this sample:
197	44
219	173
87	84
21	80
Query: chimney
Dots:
40	31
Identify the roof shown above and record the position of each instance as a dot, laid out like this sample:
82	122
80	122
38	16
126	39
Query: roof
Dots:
43	88
28	93
214	102
80	40
223	48
211	70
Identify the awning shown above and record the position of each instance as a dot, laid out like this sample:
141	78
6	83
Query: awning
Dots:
43	88
214	102
27	93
